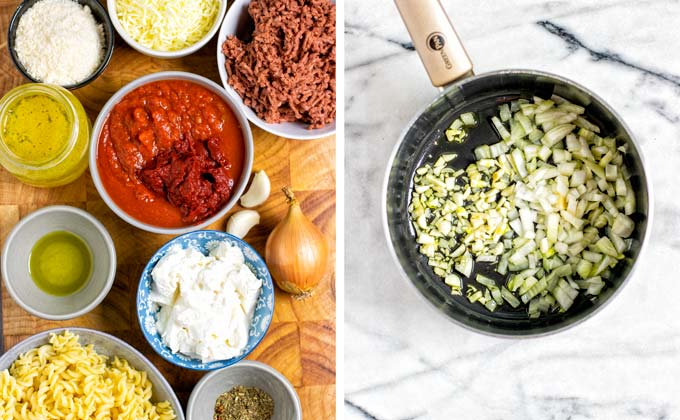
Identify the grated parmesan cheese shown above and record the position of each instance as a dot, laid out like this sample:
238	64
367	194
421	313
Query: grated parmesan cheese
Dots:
167	25
59	42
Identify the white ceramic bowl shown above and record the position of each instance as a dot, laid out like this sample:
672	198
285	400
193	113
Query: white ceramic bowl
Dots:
106	345
111	6
247	373
17	250
241	183
237	17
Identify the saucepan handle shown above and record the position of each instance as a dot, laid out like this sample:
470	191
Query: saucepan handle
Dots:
437	43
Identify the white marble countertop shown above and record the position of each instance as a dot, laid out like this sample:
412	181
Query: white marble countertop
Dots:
405	361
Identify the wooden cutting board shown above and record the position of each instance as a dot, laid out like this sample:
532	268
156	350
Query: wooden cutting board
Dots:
300	342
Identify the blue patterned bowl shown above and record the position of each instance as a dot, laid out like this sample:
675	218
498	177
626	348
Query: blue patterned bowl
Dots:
146	312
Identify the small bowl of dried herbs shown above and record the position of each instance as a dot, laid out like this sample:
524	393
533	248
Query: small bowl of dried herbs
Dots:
248	390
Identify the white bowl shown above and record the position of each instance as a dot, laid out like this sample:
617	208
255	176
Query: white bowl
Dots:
247	373
17	250
172	75
236	17
111	6
106	345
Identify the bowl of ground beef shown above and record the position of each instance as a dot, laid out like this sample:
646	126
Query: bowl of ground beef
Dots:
277	59
171	152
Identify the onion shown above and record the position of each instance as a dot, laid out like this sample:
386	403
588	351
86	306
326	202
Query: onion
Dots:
549	205
296	251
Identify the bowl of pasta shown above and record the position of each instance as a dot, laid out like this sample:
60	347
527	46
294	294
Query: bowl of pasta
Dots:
106	374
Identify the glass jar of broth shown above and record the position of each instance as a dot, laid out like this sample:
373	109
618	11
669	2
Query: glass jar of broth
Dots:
44	135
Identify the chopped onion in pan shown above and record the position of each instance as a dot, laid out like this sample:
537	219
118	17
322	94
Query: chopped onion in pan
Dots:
457	130
549	204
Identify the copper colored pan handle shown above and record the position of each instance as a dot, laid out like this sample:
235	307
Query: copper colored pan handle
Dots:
436	41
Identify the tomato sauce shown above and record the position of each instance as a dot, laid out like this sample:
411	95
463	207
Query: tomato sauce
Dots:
170	153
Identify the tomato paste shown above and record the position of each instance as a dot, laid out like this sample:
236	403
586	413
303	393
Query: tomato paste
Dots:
170	152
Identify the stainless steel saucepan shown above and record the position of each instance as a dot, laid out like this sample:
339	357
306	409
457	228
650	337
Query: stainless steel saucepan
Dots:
449	68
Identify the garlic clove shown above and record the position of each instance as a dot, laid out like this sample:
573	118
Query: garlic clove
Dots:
258	191
241	222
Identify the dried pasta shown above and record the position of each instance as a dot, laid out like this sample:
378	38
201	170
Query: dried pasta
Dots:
64	380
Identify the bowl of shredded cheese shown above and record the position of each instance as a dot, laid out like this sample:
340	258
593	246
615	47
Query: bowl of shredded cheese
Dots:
167	28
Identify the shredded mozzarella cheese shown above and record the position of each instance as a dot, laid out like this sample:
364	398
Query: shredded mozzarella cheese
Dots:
167	25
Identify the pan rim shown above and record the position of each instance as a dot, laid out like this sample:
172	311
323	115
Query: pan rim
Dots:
519	334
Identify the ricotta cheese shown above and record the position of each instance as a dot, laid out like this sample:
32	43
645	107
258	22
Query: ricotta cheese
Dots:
206	301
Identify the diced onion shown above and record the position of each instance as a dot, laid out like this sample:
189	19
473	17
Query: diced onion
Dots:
549	205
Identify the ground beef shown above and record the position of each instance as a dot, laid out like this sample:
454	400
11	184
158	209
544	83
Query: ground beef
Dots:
287	70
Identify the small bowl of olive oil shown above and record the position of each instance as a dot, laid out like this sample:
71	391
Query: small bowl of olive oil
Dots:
58	262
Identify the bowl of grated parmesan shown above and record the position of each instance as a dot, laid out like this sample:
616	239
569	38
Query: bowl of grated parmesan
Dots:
167	28
63	42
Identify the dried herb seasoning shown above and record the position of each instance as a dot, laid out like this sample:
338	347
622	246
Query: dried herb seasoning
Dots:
244	403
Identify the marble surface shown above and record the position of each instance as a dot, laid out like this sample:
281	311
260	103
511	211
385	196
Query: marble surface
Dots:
405	361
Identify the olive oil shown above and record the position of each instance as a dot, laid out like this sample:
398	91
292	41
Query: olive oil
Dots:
60	263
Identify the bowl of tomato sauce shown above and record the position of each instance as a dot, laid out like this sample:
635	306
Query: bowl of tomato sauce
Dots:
171	152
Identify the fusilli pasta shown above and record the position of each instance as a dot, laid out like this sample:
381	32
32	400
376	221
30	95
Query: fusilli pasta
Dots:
64	380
